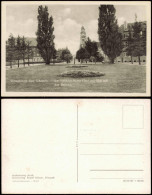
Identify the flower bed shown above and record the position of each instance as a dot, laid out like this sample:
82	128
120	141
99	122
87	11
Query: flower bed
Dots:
76	66
81	74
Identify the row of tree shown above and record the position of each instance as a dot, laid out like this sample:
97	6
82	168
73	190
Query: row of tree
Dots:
136	42
18	49
110	37
89	52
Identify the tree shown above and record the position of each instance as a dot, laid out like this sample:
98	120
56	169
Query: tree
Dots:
54	55
130	45
59	54
23	49
100	57
92	59
86	55
94	50
18	49
45	37
66	55
10	49
81	54
139	41
144	40
109	36
29	51
78	55
91	48
88	46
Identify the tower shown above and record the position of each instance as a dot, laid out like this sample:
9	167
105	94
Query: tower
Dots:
125	25
82	37
135	17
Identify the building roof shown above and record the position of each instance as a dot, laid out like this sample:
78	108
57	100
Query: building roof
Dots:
122	27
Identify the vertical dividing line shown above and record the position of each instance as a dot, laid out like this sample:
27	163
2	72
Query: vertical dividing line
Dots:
77	146
77	165
77	123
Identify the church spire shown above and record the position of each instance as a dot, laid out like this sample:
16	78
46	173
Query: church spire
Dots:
135	17
82	37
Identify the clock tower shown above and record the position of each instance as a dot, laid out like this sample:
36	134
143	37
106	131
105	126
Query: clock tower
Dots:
82	37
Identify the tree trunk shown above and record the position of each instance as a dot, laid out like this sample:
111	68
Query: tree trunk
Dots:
131	60
10	64
28	61
23	60
18	63
112	61
139	60
47	62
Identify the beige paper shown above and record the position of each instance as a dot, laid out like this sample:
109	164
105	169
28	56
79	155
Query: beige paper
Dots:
76	146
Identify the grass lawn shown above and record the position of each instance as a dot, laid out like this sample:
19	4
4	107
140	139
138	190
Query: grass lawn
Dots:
44	78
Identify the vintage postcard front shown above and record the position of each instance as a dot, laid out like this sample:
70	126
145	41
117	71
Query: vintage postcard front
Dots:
76	48
76	146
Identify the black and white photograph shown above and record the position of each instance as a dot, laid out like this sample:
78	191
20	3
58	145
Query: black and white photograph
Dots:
76	48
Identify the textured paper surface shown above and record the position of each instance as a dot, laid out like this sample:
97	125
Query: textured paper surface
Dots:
75	146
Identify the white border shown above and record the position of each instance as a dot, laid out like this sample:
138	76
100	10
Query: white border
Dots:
76	94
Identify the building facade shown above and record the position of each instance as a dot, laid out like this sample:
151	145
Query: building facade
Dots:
125	29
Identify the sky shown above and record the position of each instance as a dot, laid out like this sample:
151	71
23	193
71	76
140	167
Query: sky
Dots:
68	20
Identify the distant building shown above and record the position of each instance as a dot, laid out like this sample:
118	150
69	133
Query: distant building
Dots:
33	44
83	37
34	55
124	29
